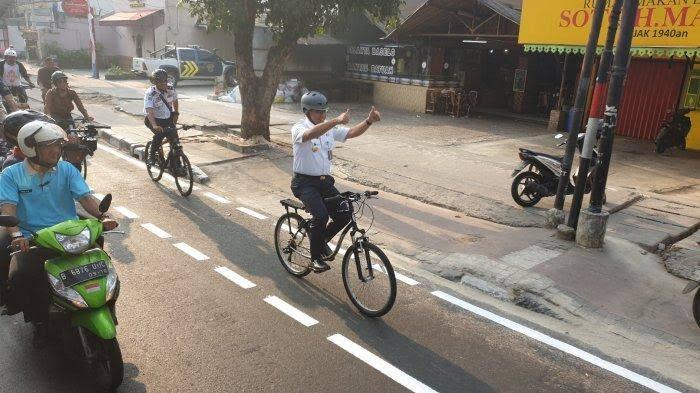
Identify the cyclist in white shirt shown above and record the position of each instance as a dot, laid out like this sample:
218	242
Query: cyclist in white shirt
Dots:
12	72
314	139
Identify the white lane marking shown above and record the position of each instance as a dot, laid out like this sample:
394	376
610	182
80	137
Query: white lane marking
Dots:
126	212
135	162
291	311
156	231
215	197
560	345
98	196
234	277
189	250
530	257
399	276
379	364
251	213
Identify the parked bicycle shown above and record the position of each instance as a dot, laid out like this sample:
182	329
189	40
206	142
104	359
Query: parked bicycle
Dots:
367	273
86	133
175	161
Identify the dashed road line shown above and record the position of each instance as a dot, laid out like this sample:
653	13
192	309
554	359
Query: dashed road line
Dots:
156	231
215	197
379	364
126	212
291	311
189	250
560	345
235	277
251	213
399	276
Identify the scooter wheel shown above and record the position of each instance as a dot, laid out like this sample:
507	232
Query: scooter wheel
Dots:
524	188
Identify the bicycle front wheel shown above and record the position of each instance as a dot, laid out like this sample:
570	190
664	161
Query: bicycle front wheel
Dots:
182	172
154	163
292	244
369	279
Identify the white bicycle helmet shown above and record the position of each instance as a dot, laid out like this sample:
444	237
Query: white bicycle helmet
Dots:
10	52
38	133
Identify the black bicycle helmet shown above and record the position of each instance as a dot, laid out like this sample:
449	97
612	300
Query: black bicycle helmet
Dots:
159	76
15	120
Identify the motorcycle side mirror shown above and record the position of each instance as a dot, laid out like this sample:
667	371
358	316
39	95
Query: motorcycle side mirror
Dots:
558	136
106	202
9	221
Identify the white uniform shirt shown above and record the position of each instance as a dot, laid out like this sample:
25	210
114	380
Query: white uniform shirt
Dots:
153	99
11	76
313	157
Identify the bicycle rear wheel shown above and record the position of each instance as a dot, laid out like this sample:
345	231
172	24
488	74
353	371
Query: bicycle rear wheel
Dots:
292	244
182	172
154	164
371	290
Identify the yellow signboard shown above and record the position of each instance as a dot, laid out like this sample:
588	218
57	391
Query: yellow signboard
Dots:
659	23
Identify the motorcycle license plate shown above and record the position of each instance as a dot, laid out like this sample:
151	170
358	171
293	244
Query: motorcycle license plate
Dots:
84	273
519	168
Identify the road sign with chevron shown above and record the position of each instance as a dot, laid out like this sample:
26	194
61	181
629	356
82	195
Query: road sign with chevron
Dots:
188	69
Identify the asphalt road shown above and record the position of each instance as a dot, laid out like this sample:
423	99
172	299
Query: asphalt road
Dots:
184	327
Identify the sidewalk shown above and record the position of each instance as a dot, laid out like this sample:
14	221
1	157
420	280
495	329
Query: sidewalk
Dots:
464	165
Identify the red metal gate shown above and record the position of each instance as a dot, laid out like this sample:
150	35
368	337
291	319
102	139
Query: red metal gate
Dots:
652	87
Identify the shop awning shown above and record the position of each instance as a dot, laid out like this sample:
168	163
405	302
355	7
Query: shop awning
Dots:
461	18
636	51
141	18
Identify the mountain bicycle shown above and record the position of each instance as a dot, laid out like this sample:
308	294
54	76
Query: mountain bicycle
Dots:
175	161
368	276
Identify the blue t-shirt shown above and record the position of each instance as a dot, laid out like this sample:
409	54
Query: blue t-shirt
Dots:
45	201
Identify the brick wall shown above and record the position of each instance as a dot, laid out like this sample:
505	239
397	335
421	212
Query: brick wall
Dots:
392	95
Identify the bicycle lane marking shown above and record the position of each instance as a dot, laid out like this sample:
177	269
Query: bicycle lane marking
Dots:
126	212
135	162
291	311
379	364
251	213
156	231
217	198
235	277
191	251
560	345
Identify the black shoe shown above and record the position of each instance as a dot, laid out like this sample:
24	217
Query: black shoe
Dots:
319	266
41	336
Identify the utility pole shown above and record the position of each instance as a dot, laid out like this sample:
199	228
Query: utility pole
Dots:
593	222
596	116
556	215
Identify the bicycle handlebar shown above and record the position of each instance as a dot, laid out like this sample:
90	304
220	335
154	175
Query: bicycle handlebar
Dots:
351	196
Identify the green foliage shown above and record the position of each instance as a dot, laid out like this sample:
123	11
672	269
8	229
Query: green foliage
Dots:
70	58
289	19
116	70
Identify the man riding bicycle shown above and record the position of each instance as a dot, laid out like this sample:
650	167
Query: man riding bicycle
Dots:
41	192
161	107
12	72
314	139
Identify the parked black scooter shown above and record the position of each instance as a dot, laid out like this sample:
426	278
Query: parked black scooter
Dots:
541	178
673	131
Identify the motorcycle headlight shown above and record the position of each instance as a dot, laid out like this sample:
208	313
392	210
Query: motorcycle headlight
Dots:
112	280
67	293
77	244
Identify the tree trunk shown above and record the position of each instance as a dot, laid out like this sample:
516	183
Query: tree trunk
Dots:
258	93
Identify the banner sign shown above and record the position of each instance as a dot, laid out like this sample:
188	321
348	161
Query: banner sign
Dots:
374	59
77	8
659	23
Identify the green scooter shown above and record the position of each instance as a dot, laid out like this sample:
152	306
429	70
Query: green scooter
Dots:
84	290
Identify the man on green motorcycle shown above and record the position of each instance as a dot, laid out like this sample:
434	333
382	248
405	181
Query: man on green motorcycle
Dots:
41	192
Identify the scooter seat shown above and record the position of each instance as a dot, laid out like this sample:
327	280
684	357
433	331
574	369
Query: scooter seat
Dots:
534	153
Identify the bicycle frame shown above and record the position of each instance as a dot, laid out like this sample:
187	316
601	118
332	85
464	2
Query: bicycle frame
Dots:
352	228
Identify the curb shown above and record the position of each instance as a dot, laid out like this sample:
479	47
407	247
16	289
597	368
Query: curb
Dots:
137	150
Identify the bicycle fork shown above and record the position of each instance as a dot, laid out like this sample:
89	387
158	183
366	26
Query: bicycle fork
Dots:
357	250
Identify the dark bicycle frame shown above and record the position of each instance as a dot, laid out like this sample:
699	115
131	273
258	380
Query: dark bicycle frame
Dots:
174	142
349	227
